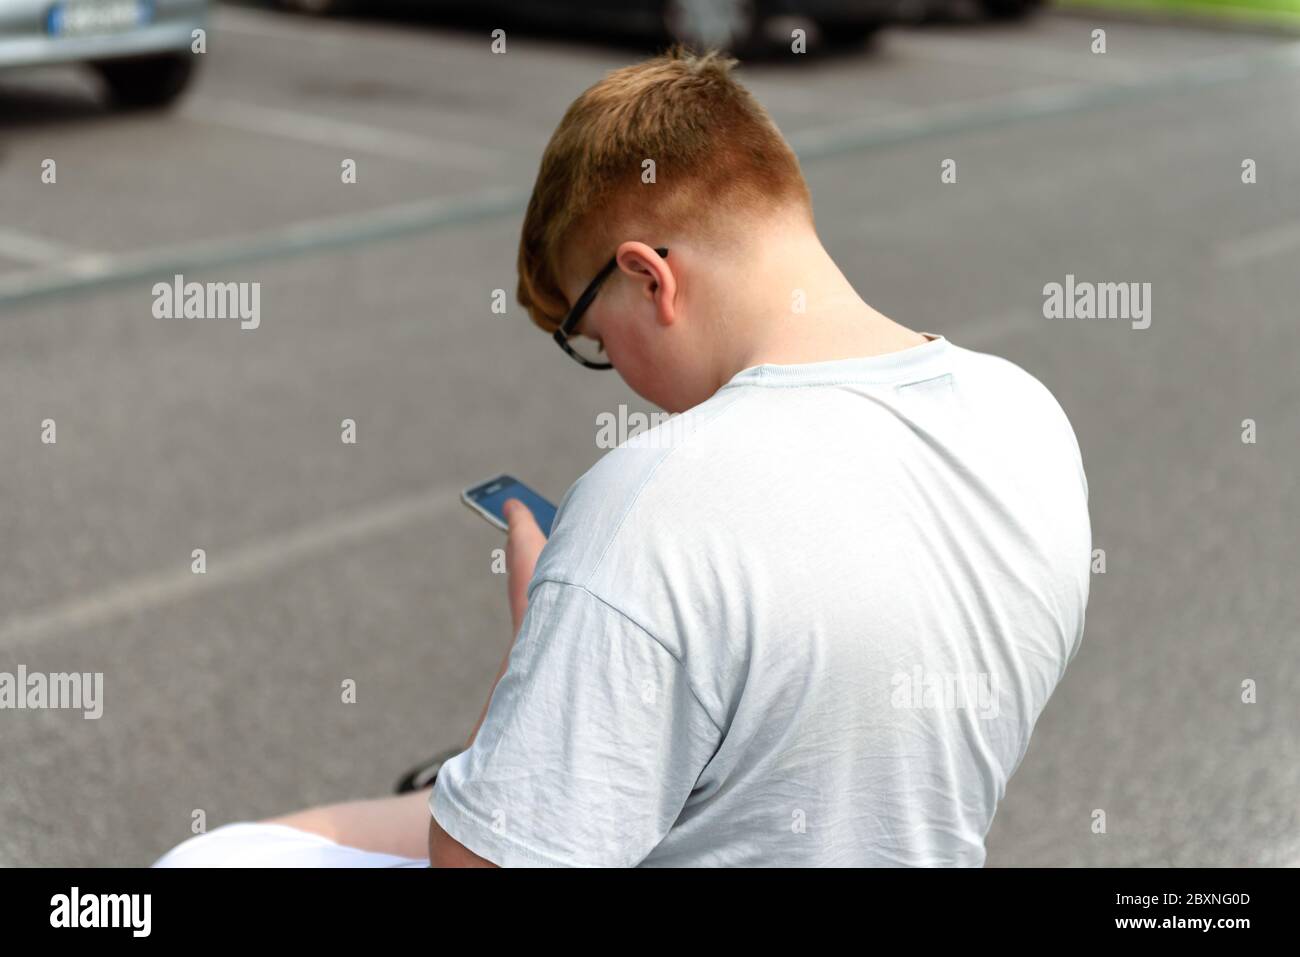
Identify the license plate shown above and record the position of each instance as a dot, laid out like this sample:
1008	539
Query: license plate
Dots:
82	18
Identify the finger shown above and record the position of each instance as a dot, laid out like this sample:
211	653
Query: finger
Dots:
519	517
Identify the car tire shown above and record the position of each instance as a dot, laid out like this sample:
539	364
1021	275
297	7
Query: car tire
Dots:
147	82
1009	9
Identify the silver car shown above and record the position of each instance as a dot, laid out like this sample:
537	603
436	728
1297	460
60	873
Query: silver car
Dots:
143	49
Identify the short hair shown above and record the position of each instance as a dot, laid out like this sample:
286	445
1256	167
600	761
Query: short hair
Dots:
716	151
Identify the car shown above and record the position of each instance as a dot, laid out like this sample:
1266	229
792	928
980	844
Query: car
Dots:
1010	9
141	48
741	26
969	11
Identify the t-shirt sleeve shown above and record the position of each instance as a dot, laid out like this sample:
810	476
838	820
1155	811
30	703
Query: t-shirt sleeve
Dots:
591	745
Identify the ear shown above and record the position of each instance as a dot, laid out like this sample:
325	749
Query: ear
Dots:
653	276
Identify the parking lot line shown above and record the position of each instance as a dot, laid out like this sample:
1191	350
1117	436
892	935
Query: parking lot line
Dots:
26	248
1260	245
85	273
248	562
1037	102
340	135
228	567
1061	64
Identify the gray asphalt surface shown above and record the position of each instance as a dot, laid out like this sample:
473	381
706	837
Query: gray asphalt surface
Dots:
328	562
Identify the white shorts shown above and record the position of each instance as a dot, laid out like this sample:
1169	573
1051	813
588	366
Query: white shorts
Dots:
273	845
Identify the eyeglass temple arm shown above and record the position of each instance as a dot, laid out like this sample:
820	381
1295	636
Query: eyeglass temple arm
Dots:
565	329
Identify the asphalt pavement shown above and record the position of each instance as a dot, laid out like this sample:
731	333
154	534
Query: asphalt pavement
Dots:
329	562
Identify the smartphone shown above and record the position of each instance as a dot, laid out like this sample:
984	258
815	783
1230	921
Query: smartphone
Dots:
486	498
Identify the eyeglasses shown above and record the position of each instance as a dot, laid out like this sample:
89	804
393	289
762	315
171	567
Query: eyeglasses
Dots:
588	352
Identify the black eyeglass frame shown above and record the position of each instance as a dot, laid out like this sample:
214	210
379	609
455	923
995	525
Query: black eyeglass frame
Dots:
567	328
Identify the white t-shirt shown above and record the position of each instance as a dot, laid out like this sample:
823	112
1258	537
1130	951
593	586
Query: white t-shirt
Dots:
810	622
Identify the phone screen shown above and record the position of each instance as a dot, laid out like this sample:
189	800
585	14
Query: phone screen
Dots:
492	494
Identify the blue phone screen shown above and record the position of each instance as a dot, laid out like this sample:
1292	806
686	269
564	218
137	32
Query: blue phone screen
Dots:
492	495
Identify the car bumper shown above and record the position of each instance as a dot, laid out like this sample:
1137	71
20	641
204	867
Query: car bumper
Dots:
24	41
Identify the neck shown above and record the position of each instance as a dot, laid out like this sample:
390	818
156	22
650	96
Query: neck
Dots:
790	304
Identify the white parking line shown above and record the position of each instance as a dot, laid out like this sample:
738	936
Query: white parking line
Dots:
849	136
251	561
341	135
1061	64
312	235
1261	245
226	568
1026	104
26	248
852	134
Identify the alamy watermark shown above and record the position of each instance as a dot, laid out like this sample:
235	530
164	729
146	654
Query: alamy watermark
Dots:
73	691
179	299
639	430
129	911
946	691
1098	300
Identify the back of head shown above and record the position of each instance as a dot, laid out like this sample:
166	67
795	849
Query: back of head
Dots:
714	156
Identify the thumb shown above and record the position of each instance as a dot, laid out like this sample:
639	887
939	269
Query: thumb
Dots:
518	515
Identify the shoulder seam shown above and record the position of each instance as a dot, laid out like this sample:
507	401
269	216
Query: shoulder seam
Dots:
690	685
636	496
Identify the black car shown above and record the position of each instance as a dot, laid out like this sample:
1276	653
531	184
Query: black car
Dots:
736	25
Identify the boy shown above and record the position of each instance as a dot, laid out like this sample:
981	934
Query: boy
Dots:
810	621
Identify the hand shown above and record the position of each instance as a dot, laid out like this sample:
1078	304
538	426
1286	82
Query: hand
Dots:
524	542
